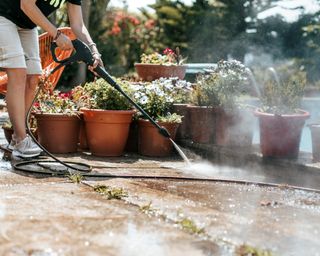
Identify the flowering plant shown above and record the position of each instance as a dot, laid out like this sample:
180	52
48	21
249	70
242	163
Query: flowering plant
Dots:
157	97
222	85
55	102
100	95
169	57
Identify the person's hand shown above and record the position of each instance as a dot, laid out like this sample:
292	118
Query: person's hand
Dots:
97	61
64	42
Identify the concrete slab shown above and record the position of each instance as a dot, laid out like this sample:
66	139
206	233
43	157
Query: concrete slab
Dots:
43	215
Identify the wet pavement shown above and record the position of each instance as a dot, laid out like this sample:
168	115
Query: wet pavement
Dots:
45	215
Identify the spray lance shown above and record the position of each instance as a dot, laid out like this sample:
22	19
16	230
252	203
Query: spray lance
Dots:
82	53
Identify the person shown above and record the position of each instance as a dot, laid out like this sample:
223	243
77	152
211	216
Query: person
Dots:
19	57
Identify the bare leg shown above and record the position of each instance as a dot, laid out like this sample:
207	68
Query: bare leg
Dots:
32	83
16	100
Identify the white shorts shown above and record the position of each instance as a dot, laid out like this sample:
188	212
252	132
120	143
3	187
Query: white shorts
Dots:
19	48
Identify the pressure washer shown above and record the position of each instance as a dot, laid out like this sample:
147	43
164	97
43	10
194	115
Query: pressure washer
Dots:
82	53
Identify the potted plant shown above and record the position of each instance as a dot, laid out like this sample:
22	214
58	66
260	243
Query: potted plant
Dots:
107	116
219	114
157	98
280	119
58	121
156	65
180	106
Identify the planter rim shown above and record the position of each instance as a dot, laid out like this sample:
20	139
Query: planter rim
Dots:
57	114
153	65
147	122
302	114
206	107
109	111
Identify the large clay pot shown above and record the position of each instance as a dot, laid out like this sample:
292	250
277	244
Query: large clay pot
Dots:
234	127
150	72
151	142
58	133
280	134
202	124
183	129
107	130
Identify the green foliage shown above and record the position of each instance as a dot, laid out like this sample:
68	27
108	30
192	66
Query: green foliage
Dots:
55	102
170	118
100	95
110	193
169	57
76	178
190	226
221	86
126	37
246	250
205	31
148	209
284	98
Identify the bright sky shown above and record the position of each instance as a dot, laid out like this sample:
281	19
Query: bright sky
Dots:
310	6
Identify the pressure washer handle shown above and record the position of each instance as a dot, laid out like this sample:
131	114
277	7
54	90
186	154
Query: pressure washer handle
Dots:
81	53
53	48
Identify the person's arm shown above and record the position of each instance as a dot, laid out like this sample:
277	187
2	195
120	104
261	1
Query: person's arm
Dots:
30	8
81	32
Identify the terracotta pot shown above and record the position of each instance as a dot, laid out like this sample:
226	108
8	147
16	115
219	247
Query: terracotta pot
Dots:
315	136
202	124
58	133
150	72
234	128
280	134
183	129
151	142
107	130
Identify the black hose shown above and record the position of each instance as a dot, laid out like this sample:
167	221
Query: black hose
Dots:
19	167
85	167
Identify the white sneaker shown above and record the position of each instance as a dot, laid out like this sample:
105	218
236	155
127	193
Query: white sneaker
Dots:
26	148
12	143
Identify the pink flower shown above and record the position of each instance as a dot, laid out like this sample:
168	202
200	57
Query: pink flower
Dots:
168	51
150	24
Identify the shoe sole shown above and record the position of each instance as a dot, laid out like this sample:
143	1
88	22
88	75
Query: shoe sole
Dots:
20	155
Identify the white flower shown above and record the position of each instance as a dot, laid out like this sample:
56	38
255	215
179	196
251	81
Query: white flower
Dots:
137	95
144	99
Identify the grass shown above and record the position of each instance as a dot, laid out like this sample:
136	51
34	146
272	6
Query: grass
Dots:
247	250
190	226
76	178
148	209
110	193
